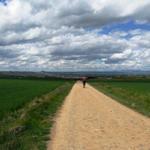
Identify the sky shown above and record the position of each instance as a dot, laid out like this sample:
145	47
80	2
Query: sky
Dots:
78	35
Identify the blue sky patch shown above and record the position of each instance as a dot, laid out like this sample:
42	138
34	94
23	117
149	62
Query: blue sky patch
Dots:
4	2
126	26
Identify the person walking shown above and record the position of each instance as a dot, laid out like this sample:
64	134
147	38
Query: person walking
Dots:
84	81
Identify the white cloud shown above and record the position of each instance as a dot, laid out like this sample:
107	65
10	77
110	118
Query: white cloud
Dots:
57	34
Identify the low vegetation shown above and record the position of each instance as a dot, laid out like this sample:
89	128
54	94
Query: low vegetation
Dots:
27	124
132	93
15	93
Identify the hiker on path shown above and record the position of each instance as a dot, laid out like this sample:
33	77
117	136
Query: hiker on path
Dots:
84	81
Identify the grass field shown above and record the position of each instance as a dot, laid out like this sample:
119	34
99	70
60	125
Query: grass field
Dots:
27	111
15	93
134	94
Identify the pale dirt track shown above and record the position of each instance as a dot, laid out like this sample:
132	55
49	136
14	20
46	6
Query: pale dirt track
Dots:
89	120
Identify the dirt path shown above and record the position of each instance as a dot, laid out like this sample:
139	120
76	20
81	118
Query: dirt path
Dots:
89	120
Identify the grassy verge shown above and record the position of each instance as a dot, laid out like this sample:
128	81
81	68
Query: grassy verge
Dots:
135	95
28	128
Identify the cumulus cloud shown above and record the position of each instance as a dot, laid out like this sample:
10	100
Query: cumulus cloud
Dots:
64	35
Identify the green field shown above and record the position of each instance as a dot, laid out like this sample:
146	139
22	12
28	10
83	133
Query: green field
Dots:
27	108
134	94
15	93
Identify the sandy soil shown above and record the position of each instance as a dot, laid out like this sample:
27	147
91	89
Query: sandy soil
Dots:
90	120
